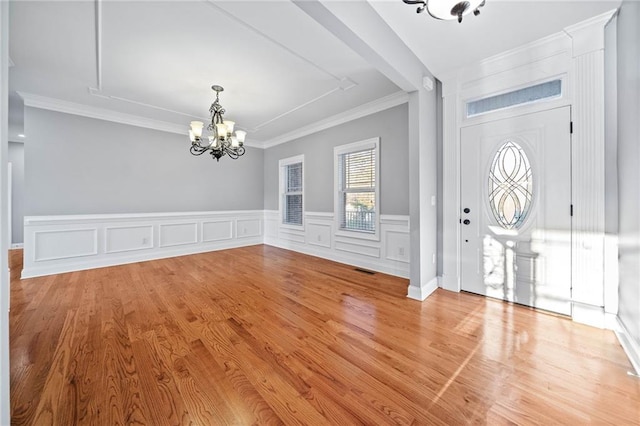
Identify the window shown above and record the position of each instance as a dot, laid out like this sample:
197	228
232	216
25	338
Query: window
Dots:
291	191
357	200
543	91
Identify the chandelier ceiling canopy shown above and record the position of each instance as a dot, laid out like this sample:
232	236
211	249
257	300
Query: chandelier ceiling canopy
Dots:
222	140
448	9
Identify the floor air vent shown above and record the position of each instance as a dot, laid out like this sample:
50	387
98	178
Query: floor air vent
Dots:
364	271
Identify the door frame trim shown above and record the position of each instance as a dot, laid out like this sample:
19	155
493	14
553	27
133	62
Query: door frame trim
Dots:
576	55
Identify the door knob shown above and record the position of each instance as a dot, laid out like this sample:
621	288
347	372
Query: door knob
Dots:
466	221
467	210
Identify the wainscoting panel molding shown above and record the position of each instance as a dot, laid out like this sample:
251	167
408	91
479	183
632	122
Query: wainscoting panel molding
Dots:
389	255
177	234
217	230
65	244
128	238
57	244
247	228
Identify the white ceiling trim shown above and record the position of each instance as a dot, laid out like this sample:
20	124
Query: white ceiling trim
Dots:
544	47
58	105
98	93
296	108
98	16
344	83
233	17
372	107
67	107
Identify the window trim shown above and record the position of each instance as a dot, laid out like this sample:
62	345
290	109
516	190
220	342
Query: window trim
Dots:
372	143
282	164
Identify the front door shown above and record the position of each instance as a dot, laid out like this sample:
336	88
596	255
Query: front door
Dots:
516	209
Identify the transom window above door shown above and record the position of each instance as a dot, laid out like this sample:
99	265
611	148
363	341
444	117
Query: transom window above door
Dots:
538	92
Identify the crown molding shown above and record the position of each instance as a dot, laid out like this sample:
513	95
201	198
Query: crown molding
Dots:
536	50
52	104
390	101
598	20
588	36
58	105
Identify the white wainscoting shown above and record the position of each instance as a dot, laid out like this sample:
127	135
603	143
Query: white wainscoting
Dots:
57	244
318	238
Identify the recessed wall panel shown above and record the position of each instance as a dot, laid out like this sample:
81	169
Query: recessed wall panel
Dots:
319	234
397	246
64	244
177	234
128	238
217	230
249	228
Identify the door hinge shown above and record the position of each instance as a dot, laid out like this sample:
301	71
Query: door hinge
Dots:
571	209
571	127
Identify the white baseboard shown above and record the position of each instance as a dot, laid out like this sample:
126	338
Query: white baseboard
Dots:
629	344
424	291
39	271
594	316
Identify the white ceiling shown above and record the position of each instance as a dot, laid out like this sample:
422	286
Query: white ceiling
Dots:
444	46
280	68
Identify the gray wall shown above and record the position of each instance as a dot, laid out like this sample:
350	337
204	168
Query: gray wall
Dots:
628	165
16	158
79	165
390	125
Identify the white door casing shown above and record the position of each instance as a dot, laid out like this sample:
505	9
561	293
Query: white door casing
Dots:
520	249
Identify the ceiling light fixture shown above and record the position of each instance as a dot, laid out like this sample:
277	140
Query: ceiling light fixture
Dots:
222	140
448	9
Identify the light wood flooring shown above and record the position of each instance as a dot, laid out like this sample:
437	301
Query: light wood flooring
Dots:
260	335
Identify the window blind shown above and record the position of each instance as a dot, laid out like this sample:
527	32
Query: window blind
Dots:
292	202
357	196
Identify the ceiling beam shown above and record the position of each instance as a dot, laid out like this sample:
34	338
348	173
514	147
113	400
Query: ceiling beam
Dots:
360	27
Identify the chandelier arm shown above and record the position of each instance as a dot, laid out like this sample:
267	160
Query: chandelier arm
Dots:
415	1
198	150
236	153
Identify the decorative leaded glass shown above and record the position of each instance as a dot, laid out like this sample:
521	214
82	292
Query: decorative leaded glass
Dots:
510	186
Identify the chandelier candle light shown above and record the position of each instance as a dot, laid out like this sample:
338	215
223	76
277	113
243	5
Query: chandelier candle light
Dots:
222	140
448	9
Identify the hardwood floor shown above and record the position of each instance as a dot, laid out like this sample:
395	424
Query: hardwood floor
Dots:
260	335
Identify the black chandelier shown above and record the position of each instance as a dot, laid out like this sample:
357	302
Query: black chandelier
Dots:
222	140
448	9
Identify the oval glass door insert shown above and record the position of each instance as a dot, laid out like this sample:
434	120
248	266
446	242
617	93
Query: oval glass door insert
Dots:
510	186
